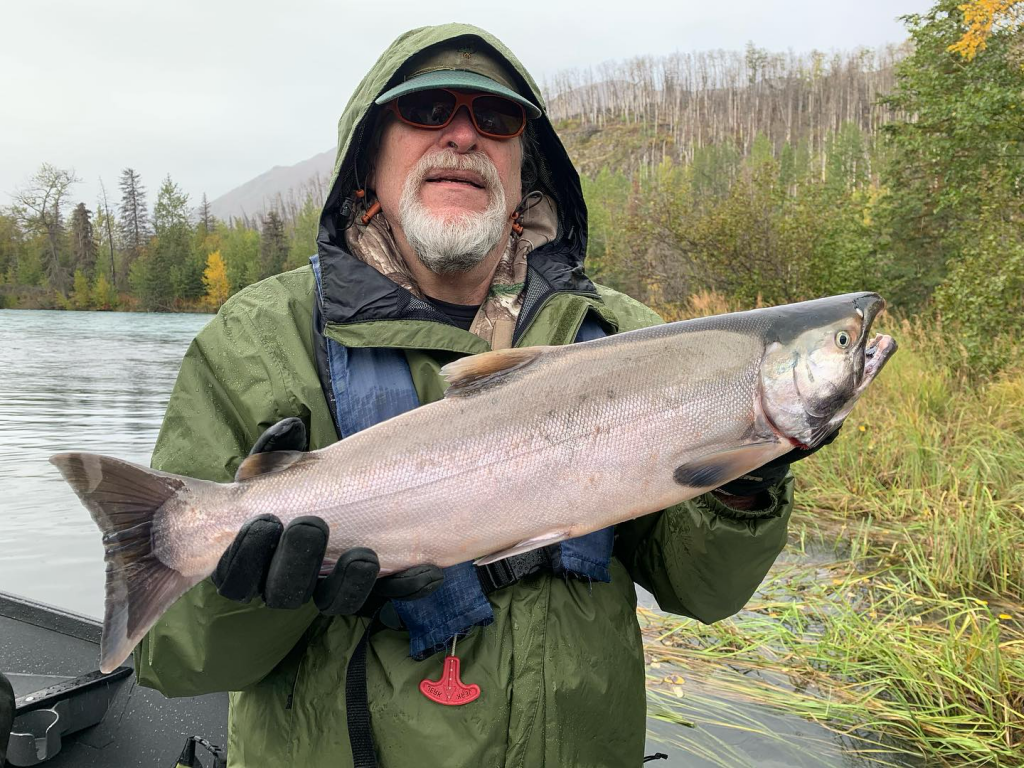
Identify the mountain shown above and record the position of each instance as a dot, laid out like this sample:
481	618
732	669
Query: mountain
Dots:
276	188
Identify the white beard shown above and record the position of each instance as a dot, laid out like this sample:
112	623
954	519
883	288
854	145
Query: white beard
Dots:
448	245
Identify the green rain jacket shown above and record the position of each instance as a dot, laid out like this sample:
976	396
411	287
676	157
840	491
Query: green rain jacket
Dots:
561	669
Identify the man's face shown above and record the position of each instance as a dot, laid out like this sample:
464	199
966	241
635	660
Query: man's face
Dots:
452	185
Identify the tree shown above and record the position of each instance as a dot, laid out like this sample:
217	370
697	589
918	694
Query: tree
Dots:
207	222
83	244
40	206
241	253
273	245
980	16
11	245
215	280
305	224
81	296
108	225
962	149
103	295
134	216
167	271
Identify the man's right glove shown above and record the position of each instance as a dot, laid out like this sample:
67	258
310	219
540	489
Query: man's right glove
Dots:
282	564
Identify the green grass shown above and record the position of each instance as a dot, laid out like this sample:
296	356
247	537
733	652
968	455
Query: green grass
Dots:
936	462
859	652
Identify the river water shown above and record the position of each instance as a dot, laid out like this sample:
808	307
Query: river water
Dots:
99	382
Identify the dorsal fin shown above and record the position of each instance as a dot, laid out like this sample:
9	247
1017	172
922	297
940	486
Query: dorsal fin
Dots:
472	374
266	463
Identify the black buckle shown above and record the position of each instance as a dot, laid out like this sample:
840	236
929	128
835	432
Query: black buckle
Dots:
504	573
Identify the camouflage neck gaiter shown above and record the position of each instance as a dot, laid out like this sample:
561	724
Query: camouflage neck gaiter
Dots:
495	321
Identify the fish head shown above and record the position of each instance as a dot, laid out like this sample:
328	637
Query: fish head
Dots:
820	357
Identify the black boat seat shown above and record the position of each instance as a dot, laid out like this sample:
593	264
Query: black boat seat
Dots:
49	707
6	715
44	651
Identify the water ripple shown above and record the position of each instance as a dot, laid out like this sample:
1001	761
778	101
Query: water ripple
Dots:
82	381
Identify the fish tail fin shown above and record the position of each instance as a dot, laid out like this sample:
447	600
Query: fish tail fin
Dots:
123	499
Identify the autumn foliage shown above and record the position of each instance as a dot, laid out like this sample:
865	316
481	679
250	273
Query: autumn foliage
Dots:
215	279
980	16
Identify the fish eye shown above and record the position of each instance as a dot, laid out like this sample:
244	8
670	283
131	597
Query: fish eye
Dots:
843	339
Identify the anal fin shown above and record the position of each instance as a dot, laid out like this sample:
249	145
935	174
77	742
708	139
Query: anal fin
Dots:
524	546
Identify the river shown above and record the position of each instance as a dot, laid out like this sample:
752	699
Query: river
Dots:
99	382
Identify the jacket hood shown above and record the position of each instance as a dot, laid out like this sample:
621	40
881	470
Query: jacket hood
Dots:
351	293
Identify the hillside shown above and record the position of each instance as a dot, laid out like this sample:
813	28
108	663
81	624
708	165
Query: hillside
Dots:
277	188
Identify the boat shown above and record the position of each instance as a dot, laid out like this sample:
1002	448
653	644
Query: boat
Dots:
69	714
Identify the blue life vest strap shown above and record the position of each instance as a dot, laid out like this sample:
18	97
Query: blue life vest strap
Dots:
370	385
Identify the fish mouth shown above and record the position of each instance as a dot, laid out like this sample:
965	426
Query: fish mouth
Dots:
876	355
868	307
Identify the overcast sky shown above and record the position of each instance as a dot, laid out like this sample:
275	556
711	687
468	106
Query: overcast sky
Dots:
215	92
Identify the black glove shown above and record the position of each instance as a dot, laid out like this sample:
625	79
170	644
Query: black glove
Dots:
771	474
282	563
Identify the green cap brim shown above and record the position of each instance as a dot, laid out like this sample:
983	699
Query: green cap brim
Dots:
460	80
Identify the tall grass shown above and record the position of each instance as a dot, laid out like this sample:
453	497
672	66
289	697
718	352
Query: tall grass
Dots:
941	676
918	634
937	460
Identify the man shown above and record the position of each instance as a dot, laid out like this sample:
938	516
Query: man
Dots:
455	224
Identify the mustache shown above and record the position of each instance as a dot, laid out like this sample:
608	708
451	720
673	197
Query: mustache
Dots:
449	160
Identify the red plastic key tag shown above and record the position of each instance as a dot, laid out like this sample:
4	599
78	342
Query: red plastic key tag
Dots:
450	690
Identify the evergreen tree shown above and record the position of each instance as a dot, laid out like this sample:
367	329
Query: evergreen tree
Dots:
273	245
207	222
170	272
83	243
134	217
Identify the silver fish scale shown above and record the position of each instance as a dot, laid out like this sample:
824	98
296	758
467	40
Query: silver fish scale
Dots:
584	437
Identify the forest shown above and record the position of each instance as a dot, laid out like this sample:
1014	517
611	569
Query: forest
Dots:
764	177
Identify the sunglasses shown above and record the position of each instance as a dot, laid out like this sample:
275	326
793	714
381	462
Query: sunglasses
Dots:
493	116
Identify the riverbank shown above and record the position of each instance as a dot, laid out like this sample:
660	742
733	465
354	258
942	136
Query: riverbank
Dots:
27	297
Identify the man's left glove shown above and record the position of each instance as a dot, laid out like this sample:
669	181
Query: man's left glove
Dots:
282	563
758	481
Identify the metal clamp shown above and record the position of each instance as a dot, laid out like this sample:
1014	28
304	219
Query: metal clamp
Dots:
35	736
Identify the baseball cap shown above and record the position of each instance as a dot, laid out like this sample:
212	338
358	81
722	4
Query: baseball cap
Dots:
462	66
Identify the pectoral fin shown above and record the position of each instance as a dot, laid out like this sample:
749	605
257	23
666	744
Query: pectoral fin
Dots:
717	468
524	546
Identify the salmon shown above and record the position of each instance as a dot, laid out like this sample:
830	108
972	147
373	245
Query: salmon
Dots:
529	447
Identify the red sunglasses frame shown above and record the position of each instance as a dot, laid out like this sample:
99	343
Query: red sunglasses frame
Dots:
463	100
